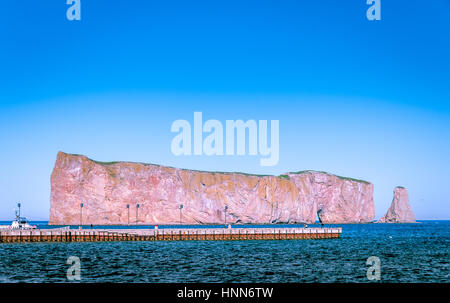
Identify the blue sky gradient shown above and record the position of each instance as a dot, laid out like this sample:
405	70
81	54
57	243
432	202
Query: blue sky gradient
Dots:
363	99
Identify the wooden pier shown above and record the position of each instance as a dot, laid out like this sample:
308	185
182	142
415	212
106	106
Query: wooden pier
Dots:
186	234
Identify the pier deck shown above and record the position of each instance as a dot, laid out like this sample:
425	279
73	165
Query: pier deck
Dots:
185	234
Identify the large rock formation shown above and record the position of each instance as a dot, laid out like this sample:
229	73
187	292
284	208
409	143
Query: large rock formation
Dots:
400	211
105	189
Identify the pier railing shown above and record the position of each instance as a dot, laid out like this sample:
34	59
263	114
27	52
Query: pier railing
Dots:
189	234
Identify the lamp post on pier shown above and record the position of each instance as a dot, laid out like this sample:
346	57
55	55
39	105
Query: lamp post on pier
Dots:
226	208
128	209
81	215
137	212
181	207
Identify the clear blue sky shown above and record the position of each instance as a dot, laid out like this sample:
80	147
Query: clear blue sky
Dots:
368	100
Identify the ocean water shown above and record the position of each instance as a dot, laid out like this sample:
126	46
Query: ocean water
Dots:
409	253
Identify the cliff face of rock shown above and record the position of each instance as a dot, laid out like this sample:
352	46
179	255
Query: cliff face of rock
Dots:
105	189
400	210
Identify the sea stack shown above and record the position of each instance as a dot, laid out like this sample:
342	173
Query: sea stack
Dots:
400	210
110	194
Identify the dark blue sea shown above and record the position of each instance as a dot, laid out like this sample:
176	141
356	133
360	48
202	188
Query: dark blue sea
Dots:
408	253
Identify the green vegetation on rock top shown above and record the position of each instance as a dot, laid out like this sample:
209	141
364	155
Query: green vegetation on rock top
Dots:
327	173
104	163
284	176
